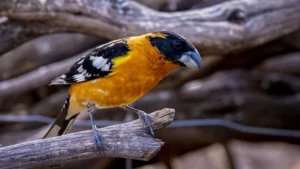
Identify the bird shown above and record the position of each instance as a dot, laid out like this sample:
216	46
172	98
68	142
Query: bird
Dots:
118	73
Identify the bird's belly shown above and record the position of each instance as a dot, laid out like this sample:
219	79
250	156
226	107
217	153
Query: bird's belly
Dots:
113	91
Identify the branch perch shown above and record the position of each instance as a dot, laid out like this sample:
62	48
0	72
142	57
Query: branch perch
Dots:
127	140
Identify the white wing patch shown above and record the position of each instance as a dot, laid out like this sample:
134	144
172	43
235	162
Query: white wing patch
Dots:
80	62
105	67
79	77
95	64
98	62
80	69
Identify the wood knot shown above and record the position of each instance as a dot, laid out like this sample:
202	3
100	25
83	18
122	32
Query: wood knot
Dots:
237	16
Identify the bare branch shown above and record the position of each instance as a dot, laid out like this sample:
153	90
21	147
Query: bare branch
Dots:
43	51
129	140
288	63
35	78
219	29
251	98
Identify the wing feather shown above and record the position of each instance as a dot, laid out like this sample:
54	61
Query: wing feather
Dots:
96	64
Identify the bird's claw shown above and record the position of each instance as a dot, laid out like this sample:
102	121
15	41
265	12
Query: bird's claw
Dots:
146	120
97	140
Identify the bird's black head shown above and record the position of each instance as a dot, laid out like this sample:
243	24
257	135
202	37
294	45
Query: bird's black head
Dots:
177	49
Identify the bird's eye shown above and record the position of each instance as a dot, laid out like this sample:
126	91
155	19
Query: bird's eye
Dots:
177	44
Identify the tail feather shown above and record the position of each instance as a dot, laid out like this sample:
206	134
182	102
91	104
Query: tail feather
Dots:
61	125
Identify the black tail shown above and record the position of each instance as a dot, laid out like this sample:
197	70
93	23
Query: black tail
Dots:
61	125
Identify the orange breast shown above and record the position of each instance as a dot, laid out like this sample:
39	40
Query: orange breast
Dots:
132	77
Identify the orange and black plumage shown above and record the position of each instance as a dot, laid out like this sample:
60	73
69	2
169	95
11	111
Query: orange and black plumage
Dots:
120	72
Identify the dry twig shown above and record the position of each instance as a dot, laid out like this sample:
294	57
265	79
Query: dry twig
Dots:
127	140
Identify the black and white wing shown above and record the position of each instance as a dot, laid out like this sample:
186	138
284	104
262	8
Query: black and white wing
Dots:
96	64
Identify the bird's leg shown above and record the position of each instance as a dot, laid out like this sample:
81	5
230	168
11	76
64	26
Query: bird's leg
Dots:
96	134
143	116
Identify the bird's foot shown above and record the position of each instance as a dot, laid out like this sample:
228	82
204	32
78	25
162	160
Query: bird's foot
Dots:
97	140
146	120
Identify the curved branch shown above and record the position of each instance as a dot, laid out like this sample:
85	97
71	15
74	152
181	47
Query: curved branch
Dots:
35	78
127	140
252	98
219	29
43	51
288	63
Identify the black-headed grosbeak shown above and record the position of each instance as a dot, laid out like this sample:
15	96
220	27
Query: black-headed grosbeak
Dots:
120	72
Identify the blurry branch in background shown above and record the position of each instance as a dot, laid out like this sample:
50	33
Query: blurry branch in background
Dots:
35	78
249	98
237	98
219	29
129	140
42	51
288	63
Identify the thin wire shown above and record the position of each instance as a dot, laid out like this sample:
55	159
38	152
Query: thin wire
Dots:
175	124
48	120
237	127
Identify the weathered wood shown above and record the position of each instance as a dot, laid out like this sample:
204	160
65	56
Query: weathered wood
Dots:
219	29
129	140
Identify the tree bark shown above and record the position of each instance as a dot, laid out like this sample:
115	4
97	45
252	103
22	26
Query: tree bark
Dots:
219	29
129	140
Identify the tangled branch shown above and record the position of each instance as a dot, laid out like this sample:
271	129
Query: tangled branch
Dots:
219	29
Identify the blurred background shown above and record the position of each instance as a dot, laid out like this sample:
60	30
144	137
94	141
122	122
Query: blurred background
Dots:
241	111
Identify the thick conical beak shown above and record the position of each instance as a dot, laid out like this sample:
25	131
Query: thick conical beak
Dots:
191	59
